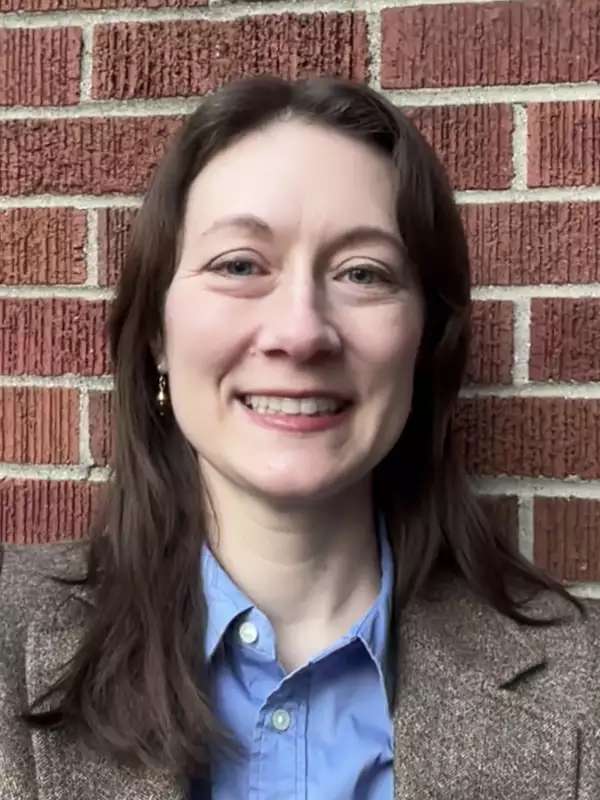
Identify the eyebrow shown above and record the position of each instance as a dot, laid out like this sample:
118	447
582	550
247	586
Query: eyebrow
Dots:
356	235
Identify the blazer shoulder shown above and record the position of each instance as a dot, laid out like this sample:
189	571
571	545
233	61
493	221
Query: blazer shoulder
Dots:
26	573
590	622
28	595
571	621
571	645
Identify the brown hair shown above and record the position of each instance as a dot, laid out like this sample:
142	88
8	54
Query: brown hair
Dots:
138	687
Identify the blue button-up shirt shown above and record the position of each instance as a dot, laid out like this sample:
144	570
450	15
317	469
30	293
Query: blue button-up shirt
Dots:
321	732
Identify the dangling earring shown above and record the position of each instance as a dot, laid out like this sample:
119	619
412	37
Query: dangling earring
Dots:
161	397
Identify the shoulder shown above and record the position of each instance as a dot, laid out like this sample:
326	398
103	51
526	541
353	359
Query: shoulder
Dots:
572	641
560	661
564	655
28	598
571	626
567	621
565	659
26	573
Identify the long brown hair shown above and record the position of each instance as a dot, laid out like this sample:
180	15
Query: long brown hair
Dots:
138	687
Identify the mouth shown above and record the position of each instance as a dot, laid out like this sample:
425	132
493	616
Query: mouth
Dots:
309	406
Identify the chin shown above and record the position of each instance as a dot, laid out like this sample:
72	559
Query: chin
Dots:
291	492
287	494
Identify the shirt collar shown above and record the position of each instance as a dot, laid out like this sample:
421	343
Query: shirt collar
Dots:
225	601
373	628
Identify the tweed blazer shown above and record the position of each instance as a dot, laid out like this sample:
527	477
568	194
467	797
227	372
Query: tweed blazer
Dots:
486	709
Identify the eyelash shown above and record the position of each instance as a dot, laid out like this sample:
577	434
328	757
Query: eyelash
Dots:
219	268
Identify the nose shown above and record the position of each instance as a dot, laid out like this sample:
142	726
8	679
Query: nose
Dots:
294	320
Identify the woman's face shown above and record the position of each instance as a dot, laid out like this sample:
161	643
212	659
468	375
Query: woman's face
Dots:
283	301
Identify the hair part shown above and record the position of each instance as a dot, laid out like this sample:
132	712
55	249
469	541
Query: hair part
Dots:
137	688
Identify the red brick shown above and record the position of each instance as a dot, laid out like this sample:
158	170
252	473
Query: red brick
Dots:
490	44
565	339
567	537
503	511
533	436
39	426
182	58
93	5
533	243
564	144
40	66
474	142
87	155
53	337
101	430
42	245
114	229
38	511
491	355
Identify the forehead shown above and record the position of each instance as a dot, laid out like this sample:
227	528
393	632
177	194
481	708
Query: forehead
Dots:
292	173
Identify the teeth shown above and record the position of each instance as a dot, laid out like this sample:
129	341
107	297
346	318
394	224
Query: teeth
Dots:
289	405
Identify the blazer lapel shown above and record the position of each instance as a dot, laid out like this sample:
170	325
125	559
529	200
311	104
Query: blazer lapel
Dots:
466	723
64	768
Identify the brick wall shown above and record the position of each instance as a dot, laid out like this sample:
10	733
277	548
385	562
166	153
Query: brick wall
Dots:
507	91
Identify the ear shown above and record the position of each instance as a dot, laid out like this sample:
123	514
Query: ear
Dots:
159	356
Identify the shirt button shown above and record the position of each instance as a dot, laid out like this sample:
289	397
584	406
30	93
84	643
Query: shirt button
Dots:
281	720
248	633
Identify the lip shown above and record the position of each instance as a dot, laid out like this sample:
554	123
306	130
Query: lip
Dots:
296	423
297	394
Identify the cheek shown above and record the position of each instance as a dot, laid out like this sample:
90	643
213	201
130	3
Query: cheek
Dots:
395	383
388	348
199	340
196	346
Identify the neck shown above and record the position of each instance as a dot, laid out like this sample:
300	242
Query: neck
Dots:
313	570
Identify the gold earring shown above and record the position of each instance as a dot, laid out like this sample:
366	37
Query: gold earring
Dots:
161	397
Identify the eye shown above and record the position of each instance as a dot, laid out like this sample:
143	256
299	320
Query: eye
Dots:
367	275
233	267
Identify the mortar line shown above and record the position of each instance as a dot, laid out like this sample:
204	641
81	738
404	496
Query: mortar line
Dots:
96	384
54	472
374	49
87	36
580	194
520	296
526	525
77	291
557	391
212	11
521	340
584	291
427	98
540	487
543	487
589	590
91	248
519	144
85	452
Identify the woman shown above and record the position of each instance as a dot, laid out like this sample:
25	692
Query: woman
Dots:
292	591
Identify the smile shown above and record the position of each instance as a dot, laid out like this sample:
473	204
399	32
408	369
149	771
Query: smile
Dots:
296	420
294	406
